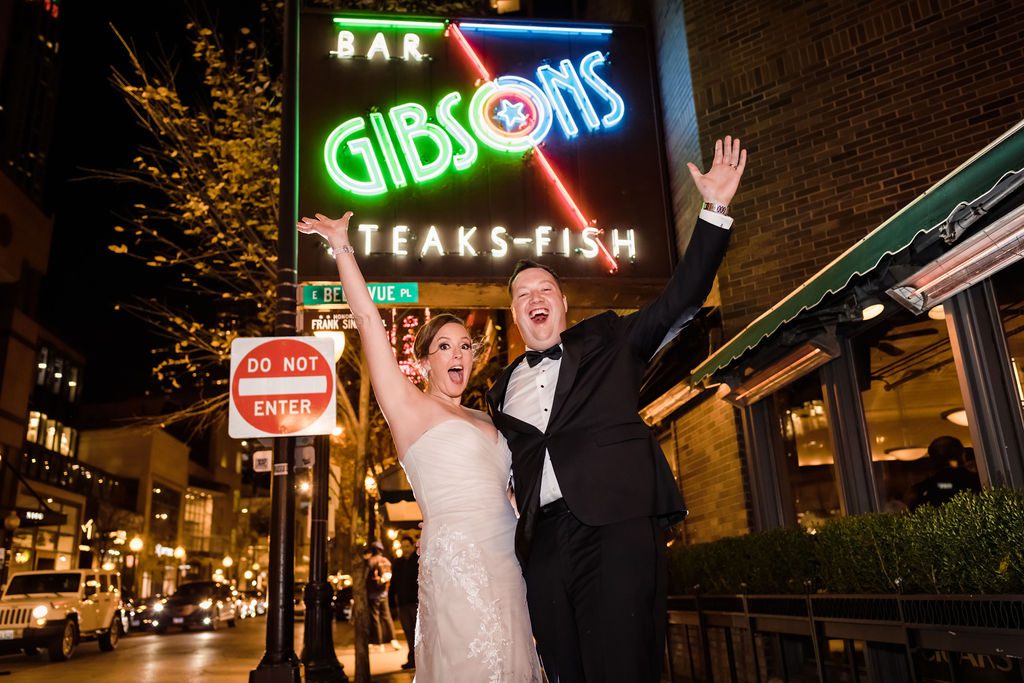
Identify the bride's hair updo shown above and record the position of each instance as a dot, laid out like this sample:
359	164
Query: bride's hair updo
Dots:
425	335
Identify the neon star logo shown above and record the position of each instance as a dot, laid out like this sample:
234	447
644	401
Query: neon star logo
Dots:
511	114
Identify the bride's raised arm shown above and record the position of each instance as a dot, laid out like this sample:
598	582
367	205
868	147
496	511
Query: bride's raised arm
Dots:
396	395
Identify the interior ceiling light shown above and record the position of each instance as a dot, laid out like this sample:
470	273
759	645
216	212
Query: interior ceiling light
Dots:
957	416
937	312
872	311
791	367
906	453
976	259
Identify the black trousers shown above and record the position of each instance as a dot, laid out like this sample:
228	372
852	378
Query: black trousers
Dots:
597	599
407	618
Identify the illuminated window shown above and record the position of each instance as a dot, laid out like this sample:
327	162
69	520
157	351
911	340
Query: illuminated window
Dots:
42	365
32	434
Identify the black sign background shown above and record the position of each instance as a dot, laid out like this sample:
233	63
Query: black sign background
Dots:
616	175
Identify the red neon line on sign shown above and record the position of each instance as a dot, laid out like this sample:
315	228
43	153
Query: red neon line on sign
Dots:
453	30
584	223
468	49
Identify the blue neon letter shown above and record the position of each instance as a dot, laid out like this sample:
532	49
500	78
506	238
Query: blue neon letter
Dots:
566	78
587	66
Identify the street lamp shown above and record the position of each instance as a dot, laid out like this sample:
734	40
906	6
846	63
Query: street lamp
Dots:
136	544
11	523
227	561
179	553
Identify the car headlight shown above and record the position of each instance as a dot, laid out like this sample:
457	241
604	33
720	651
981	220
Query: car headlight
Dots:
206	604
40	612
158	607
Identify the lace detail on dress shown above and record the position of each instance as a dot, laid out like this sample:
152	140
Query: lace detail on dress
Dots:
460	562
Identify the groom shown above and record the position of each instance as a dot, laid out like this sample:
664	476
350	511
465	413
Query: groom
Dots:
591	483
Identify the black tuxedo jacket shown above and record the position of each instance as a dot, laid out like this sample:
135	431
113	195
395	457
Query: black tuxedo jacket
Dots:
609	465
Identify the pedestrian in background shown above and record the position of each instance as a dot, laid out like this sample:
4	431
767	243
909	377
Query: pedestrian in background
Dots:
405	591
378	576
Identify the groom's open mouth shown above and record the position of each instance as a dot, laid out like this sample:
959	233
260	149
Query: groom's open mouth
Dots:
456	374
539	315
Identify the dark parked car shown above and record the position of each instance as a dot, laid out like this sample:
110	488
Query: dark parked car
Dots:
199	604
142	612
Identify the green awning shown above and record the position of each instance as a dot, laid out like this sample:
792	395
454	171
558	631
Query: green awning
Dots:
926	213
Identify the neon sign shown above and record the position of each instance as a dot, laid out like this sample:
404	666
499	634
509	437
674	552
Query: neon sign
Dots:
509	114
459	144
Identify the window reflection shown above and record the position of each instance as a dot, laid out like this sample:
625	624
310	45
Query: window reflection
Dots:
807	450
1009	288
914	411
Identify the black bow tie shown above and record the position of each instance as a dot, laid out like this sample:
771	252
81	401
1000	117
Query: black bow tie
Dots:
534	357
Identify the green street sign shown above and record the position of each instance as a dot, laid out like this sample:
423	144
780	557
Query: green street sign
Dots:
382	293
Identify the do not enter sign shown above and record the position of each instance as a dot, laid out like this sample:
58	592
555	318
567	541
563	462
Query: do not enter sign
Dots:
281	386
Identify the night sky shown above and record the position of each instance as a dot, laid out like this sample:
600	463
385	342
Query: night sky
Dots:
95	129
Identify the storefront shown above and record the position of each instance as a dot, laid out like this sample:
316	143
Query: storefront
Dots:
894	374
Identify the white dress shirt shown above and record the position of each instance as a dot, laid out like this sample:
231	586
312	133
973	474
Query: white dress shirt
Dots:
531	392
529	397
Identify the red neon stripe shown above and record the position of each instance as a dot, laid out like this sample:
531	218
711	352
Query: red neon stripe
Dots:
584	223
453	29
468	49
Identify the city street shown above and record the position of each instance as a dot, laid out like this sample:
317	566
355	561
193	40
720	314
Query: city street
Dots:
211	657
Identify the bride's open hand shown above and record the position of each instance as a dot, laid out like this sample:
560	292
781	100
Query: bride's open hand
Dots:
334	230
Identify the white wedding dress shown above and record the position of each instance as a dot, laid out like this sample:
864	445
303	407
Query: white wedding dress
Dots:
473	624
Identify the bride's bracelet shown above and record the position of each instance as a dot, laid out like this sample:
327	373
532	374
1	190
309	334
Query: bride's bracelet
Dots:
343	249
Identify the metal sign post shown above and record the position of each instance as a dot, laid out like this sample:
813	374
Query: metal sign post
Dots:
279	663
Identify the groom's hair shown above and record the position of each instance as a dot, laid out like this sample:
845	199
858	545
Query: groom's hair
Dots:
526	264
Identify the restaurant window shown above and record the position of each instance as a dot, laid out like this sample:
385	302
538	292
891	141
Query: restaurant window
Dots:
1009	288
913	407
49	547
807	450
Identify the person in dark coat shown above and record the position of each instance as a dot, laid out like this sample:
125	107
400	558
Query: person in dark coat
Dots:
405	591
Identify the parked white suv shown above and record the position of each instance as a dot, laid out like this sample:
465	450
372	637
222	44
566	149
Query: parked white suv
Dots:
57	609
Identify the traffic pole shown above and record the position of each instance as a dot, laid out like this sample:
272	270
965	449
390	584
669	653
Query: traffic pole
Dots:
279	663
318	656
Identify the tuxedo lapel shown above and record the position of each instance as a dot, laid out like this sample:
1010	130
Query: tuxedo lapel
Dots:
496	401
572	350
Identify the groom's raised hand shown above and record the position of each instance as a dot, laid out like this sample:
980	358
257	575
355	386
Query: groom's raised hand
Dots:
718	185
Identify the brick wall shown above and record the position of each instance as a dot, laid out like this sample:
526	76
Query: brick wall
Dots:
849	109
679	117
710	471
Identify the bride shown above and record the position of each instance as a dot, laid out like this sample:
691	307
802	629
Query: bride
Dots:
473	623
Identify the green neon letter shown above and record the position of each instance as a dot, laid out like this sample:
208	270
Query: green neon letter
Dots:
468	156
360	147
410	123
386	146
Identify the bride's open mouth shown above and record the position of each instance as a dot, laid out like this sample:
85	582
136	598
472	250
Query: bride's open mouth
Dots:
456	374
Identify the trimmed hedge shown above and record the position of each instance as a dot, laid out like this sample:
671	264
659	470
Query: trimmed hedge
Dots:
972	544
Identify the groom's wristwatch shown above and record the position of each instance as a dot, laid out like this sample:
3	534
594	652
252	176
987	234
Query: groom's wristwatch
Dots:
717	208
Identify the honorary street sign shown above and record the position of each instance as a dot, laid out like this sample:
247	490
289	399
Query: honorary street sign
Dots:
281	386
